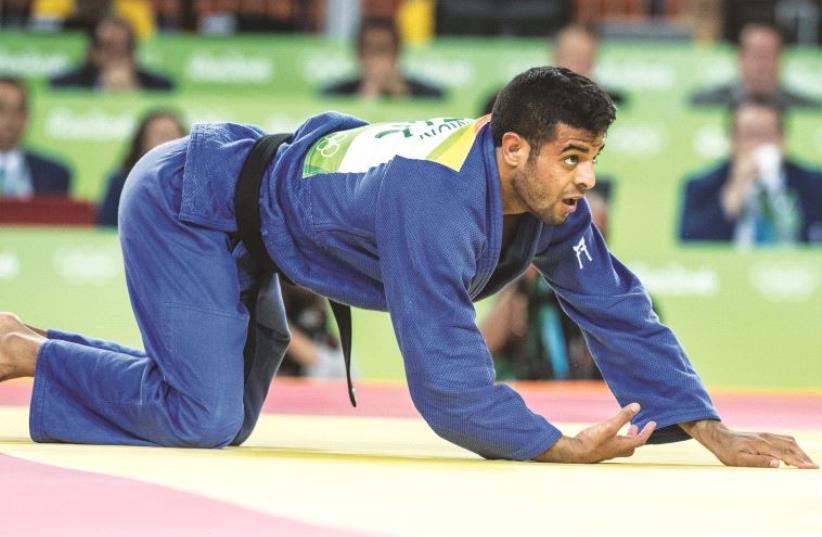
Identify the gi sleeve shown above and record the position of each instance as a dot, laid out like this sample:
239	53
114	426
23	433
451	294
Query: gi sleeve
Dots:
640	358
428	241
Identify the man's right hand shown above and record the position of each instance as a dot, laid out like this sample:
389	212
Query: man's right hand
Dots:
601	442
743	175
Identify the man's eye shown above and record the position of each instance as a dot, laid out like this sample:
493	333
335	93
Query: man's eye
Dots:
572	160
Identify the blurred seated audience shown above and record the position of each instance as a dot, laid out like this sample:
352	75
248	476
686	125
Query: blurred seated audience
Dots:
576	47
111	63
758	56
15	13
230	16
155	128
313	352
378	56
24	173
529	335
756	196
83	15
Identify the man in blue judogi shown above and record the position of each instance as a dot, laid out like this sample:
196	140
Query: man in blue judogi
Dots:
419	219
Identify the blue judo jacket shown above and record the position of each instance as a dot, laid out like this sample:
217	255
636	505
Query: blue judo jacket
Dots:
407	218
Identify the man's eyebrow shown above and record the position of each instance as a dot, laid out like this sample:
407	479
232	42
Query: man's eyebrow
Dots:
574	147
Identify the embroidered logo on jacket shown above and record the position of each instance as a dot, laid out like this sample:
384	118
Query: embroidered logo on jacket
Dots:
581	248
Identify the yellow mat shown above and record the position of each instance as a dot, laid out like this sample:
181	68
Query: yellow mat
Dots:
395	477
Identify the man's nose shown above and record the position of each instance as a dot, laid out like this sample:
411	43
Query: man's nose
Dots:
586	179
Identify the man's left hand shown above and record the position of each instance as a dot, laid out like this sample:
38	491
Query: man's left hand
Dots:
736	448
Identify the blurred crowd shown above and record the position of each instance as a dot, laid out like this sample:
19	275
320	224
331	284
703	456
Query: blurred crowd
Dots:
756	195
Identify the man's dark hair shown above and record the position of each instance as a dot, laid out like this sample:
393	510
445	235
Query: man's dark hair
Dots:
756	99
369	24
21	87
534	102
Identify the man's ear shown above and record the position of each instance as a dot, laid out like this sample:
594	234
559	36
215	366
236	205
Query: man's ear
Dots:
515	149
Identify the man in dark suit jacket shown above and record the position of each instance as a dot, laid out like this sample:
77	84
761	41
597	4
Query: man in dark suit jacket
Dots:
24	173
756	196
48	176
378	53
111	63
760	48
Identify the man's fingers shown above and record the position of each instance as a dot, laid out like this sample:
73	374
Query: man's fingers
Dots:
785	450
642	436
632	431
794	456
625	445
613	425
626	453
756	460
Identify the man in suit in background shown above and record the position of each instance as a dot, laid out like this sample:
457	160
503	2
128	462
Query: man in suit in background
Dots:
757	196
111	63
24	173
378	57
760	49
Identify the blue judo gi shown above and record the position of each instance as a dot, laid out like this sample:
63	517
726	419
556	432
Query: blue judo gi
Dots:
403	217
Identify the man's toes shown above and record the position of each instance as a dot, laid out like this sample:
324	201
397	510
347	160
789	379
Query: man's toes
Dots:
10	322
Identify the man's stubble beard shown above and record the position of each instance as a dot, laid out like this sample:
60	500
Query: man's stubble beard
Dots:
519	183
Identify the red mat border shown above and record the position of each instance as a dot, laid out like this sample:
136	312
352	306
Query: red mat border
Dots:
48	501
562	402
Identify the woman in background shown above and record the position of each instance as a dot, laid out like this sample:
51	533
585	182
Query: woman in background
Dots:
157	127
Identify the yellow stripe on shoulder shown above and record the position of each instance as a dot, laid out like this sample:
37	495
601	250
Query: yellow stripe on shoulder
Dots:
453	151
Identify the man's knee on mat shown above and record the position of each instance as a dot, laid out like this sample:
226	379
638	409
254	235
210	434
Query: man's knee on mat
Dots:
209	426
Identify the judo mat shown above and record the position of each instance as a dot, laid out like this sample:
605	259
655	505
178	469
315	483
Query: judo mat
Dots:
316	467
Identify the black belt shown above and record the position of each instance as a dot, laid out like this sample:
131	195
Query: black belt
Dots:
247	213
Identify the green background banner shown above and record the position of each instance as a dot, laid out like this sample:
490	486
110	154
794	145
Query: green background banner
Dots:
746	318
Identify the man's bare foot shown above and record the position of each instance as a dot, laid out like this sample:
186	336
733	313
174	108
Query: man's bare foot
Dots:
18	355
9	322
38	331
19	347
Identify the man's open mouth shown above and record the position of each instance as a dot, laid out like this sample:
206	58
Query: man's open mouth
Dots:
570	202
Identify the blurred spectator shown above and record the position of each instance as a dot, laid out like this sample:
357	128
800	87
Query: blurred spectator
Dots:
154	129
24	173
757	196
529	335
760	48
576	48
313	351
15	13
111	62
378	55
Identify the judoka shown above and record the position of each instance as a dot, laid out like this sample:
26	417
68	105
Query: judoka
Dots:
419	219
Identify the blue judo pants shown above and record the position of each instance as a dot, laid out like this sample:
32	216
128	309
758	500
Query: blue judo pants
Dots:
193	292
